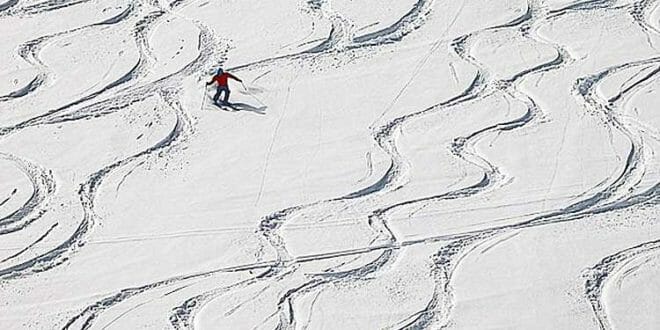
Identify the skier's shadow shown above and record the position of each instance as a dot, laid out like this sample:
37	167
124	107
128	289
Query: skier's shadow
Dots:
238	106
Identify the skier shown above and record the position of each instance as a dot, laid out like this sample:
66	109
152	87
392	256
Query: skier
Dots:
222	78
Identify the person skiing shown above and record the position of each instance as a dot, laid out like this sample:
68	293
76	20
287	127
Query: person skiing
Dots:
221	78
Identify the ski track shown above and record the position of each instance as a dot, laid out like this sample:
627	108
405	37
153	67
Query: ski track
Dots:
395	178
165	88
610	268
87	194
615	196
43	188
29	51
269	224
340	39
13	192
639	12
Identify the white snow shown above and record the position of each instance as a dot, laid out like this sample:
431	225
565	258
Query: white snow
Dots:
402	164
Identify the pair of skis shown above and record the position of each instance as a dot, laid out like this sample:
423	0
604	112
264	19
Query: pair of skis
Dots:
225	106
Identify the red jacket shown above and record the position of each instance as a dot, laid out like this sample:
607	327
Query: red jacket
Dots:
221	79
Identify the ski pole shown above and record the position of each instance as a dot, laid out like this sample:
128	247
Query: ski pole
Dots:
254	97
204	97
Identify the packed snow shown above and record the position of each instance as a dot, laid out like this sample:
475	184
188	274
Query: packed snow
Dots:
384	164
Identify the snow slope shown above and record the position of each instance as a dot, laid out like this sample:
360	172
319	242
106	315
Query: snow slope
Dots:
389	164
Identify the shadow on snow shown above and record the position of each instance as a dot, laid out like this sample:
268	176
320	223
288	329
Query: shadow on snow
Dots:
238	106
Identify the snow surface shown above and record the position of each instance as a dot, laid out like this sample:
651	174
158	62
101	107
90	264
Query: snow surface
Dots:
394	164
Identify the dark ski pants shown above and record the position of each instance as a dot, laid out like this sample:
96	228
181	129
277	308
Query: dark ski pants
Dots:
219	91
